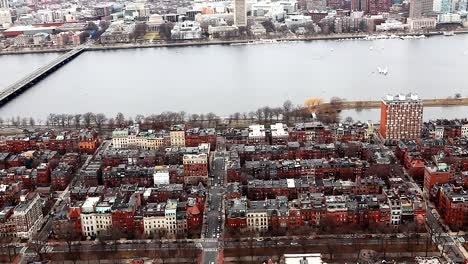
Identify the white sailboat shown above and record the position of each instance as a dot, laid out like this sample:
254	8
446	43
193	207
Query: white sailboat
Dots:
383	71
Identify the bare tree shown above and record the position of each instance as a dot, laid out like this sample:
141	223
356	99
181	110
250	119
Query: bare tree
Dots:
88	118
111	123
77	120
236	116
31	121
287	108
182	115
1	121
68	234
244	115
259	114
100	119
15	121
139	119
129	121
51	120
120	119
349	120
276	112
38	245
64	120
69	119
194	117
267	113
24	121
152	120
165	30
211	117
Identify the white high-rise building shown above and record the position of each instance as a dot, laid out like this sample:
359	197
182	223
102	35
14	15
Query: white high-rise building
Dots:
462	5
464	131
27	216
4	4
416	8
240	13
5	16
427	6
95	218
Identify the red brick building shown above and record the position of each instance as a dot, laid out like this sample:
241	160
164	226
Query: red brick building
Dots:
61	176
196	136
439	174
123	214
400	115
453	207
375	7
43	175
194	218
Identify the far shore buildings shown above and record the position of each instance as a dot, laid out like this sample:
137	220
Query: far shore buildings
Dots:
401	117
240	13
5	16
186	30
4	4
118	32
421	23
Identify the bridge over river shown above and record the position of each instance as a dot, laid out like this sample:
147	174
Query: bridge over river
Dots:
31	79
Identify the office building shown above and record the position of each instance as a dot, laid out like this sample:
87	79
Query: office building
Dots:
4	4
416	8
240	13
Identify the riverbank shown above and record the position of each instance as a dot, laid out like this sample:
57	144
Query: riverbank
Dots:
436	102
166	44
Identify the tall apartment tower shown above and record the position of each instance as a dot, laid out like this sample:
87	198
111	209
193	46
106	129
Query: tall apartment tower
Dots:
427	6
4	4
416	8
240	13
401	117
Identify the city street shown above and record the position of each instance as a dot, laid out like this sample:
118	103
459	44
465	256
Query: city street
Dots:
46	229
214	216
448	244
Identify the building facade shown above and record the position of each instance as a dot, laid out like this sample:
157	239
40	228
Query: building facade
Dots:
4	4
195	168
464	131
27	216
416	8
422	23
177	135
240	13
401	117
95	218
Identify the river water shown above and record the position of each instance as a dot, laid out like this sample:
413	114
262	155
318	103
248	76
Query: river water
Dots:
226	79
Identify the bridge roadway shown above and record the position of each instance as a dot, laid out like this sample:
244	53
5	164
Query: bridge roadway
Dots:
31	79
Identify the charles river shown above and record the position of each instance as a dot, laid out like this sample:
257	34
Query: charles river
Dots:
227	79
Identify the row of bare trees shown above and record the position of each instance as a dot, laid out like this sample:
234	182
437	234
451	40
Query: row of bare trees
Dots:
287	113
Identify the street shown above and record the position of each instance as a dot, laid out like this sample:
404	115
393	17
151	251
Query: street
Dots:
214	217
46	229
